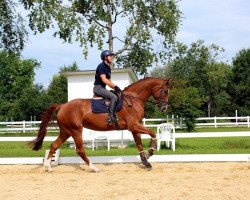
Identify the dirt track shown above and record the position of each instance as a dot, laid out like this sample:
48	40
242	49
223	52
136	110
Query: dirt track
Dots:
127	181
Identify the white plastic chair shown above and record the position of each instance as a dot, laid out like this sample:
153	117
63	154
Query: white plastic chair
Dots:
166	133
100	136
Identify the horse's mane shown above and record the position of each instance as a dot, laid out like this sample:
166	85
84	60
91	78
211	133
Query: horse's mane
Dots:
139	82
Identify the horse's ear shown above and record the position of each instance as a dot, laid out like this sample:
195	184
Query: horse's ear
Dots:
168	81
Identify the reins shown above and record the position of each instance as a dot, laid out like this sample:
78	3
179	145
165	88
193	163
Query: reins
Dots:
137	98
141	99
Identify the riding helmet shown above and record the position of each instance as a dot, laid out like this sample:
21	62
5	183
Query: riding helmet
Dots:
106	53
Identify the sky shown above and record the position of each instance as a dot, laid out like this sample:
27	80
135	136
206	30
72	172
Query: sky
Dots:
221	22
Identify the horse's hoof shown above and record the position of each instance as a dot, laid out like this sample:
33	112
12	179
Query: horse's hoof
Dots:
97	170
93	168
49	170
148	167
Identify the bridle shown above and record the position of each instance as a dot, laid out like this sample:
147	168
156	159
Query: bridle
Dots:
158	101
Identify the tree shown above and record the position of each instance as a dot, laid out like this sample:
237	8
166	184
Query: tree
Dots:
185	102
32	103
200	82
13	34
58	88
240	87
164	72
93	22
219	102
199	66
16	76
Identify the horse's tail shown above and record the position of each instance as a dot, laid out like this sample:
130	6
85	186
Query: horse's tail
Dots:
36	144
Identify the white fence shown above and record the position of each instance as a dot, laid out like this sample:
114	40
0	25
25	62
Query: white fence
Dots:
124	159
24	126
202	121
223	121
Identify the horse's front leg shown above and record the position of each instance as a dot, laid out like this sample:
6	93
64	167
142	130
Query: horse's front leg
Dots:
143	156
152	147
153	144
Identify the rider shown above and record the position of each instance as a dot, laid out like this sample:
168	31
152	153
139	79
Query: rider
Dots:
103	78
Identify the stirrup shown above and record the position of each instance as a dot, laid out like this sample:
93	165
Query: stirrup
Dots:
112	120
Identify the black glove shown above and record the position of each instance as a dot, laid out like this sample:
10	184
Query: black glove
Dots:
117	89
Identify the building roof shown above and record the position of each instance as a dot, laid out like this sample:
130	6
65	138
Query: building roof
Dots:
114	71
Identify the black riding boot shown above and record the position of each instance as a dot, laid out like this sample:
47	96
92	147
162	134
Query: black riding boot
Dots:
112	117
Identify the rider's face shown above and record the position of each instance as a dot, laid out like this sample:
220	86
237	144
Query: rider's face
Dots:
109	59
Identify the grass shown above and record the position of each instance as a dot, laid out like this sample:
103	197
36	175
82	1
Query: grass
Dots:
219	129
227	145
204	129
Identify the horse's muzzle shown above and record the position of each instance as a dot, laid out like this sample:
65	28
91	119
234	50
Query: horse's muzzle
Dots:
163	106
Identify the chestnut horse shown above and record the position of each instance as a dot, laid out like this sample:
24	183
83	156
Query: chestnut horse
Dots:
76	114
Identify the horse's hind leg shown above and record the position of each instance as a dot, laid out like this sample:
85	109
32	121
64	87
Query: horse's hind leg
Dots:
81	152
54	146
143	156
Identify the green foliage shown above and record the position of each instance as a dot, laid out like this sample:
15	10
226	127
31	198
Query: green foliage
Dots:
194	63
58	88
185	102
163	72
204	85
197	65
92	22
33	102
16	78
139	58
20	98
12	29
240	87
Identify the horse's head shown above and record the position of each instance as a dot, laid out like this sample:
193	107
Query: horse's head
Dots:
160	94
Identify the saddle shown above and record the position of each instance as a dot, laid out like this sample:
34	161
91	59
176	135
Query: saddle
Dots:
101	105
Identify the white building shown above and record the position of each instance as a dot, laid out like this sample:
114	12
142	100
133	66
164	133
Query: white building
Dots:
81	83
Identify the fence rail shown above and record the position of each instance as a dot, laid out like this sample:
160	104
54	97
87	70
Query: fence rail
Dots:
202	121
128	136
24	126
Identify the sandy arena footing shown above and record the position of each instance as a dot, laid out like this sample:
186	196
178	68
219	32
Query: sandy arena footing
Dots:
225	180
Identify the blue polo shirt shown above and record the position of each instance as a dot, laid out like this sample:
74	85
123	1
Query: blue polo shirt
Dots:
102	68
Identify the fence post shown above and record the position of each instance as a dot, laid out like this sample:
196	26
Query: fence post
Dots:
23	126
215	122
12	125
236	117
143	121
248	124
181	123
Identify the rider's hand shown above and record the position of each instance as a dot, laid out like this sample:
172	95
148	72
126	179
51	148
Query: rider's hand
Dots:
117	89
